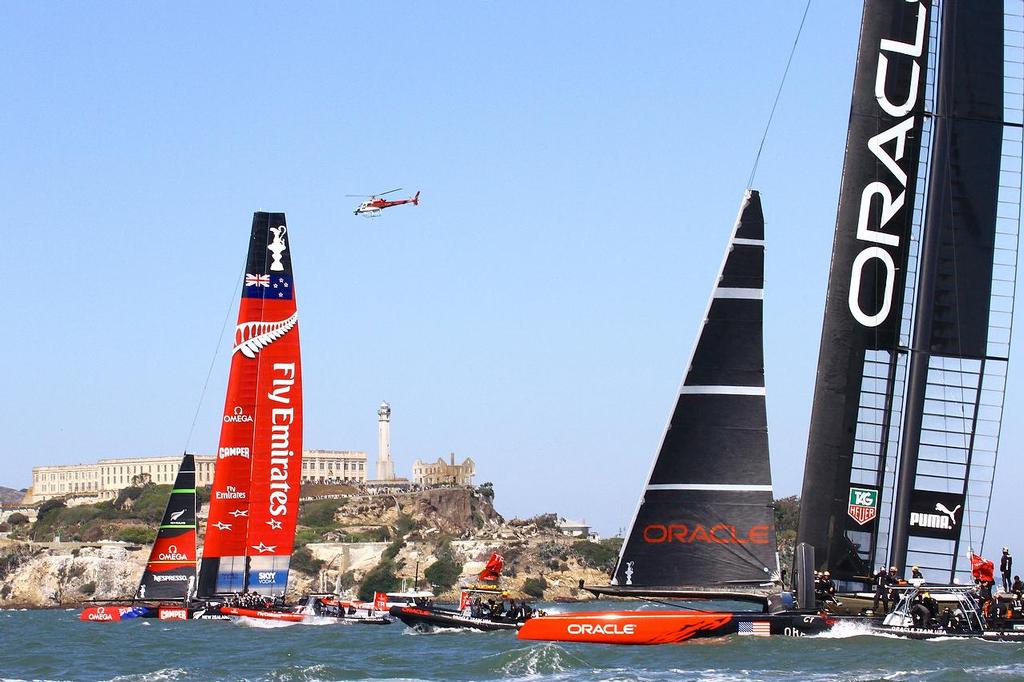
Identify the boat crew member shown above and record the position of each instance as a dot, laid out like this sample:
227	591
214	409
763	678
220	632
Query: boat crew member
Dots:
1018	587
881	590
923	609
915	572
1006	568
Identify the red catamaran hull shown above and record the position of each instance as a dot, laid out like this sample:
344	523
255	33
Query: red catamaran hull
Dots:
665	627
285	616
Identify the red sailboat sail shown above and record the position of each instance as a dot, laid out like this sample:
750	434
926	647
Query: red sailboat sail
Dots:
255	494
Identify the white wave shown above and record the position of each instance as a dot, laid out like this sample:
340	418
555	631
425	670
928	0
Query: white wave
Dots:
844	629
155	676
262	623
536	660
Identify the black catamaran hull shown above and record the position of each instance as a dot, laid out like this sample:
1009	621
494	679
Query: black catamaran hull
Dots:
668	627
423	618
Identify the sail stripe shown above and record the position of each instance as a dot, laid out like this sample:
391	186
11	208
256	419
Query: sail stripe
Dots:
722	390
736	292
725	487
740	241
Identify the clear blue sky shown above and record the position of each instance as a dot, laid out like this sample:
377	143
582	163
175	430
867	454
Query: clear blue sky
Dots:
581	166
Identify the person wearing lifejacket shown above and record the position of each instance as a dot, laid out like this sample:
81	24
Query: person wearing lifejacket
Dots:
915	573
923	608
1006	568
1017	587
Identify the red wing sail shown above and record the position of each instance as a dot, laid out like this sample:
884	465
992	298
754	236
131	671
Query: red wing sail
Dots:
254	500
171	570
492	571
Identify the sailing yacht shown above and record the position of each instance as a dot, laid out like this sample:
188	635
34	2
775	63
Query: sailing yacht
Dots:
704	527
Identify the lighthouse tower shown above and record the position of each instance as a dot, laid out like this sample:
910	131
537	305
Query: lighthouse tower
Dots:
385	467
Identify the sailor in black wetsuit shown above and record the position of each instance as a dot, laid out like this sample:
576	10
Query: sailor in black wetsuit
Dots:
915	572
881	590
1006	568
1017	587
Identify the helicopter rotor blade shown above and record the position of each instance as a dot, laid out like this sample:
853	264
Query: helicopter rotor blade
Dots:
397	189
364	196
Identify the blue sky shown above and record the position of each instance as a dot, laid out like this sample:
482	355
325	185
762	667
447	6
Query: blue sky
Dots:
580	166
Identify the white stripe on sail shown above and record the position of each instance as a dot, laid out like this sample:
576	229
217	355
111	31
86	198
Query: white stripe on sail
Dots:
747	242
728	292
723	487
722	390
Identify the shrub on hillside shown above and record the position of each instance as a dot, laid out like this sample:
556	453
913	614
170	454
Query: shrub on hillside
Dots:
136	535
393	549
130	493
380	578
17	519
535	587
319	513
594	555
443	573
304	561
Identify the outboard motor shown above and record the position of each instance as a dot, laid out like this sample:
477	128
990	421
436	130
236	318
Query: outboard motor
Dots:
803	575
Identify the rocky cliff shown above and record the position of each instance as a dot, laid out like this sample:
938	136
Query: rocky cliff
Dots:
339	540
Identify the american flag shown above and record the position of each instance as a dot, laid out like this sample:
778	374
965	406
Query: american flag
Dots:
757	628
257	280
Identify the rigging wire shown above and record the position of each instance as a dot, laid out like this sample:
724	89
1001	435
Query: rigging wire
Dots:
771	115
213	360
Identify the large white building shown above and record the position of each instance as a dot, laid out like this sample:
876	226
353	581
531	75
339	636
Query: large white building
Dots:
107	476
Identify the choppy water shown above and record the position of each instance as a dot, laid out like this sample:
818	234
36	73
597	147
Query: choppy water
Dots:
54	645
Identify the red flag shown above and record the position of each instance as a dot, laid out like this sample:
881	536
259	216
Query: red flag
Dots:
492	571
380	601
464	601
982	569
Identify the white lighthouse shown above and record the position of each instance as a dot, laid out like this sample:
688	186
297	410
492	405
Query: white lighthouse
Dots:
385	467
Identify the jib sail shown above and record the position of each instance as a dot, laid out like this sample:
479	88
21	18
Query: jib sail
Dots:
911	372
254	498
705	517
171	570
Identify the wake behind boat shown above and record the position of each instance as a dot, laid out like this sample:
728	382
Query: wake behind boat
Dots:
704	527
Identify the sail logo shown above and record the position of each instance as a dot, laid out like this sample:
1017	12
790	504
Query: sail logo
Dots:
170	578
266	577
281	419
720	534
237	416
252	337
172	554
230	493
879	198
863	506
944	520
599	629
175	517
224	453
277	247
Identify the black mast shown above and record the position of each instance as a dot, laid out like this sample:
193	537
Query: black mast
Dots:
956	266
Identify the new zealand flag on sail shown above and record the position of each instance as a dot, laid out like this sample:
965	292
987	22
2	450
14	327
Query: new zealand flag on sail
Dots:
268	286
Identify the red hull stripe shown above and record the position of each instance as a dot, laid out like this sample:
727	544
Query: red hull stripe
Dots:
627	627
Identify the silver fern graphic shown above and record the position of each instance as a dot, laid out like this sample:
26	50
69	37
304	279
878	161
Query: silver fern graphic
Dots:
250	337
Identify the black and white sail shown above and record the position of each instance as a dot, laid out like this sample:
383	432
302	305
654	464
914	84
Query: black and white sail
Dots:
171	570
705	516
915	340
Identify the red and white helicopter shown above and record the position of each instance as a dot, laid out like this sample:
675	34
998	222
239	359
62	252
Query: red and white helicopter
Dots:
374	204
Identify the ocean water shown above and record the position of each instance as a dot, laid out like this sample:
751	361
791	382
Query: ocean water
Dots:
54	645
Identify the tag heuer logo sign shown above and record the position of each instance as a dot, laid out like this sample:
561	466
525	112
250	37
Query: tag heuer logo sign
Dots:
863	505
